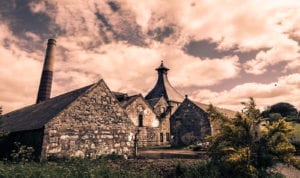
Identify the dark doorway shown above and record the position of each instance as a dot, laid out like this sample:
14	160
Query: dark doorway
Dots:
140	120
161	137
168	137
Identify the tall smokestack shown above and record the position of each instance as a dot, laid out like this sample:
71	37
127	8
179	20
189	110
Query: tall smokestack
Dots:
47	74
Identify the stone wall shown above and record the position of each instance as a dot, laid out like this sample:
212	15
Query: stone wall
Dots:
93	125
164	135
189	124
149	131
148	136
138	108
161	108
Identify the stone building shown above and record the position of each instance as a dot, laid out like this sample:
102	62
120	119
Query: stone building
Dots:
189	124
164	99
182	121
92	121
143	117
163	111
87	122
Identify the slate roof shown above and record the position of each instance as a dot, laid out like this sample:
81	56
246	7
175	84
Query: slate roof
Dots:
226	112
163	87
153	101
124	102
36	116
119	95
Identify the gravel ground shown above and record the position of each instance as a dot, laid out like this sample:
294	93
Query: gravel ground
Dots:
288	171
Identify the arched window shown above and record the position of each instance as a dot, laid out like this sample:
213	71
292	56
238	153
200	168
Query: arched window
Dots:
140	120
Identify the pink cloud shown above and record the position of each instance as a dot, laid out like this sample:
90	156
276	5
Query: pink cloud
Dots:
85	55
19	72
285	50
34	37
285	89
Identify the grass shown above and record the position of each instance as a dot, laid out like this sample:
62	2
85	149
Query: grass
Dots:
296	136
74	168
111	168
99	168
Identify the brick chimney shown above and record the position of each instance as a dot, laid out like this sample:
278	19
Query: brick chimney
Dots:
47	74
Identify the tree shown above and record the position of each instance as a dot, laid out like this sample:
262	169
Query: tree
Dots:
284	109
245	148
2	133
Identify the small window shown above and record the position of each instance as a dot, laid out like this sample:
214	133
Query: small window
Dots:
161	137
168	137
162	110
140	120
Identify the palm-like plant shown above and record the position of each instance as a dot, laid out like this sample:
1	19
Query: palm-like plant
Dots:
243	147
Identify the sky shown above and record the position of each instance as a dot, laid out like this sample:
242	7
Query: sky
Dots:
219	52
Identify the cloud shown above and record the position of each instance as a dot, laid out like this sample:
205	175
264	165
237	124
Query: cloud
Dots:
285	89
293	66
251	25
124	41
131	68
181	21
219	21
96	22
20	71
286	50
32	36
37	7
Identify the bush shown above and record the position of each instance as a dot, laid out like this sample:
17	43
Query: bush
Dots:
70	168
113	156
205	169
22	153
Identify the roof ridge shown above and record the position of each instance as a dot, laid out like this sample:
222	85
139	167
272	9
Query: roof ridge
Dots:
34	116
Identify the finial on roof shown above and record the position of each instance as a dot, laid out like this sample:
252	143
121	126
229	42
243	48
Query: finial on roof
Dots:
162	68
186	96
162	64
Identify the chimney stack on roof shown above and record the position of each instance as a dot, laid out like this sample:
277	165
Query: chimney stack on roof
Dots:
47	74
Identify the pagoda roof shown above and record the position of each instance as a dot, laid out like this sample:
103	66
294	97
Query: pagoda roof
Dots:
163	87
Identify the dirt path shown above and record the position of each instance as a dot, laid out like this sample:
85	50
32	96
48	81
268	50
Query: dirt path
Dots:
288	171
171	153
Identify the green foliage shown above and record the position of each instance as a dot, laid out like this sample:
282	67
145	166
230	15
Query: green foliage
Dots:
215	115
243	149
179	170
284	109
112	156
211	170
274	117
22	153
295	138
205	169
102	168
71	168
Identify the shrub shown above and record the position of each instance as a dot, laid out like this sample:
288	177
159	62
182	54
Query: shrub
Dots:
22	153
